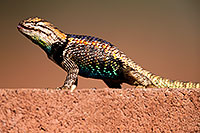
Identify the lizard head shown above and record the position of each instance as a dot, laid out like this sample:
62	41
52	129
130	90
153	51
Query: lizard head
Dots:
41	32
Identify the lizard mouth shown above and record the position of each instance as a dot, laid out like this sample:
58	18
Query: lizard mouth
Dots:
20	28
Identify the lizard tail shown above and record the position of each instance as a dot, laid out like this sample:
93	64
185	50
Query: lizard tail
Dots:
167	83
149	79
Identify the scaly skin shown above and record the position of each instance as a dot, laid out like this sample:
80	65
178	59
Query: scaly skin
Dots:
91	57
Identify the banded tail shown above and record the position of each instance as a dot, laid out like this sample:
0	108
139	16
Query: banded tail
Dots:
161	82
149	79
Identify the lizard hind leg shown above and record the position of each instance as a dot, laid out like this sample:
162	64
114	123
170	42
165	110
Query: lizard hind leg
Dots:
135	78
112	83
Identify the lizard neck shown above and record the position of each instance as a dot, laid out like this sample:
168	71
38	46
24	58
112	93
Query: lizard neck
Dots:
46	48
56	51
53	47
57	46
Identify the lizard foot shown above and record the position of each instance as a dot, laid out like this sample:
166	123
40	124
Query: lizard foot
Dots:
73	87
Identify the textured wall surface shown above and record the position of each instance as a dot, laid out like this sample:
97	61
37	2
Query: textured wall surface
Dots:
106	110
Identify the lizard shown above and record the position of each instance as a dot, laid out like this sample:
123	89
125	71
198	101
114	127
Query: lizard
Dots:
91	57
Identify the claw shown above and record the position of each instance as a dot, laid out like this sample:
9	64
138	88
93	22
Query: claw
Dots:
73	87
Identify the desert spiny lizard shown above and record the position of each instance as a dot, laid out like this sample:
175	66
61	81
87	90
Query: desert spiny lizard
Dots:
91	57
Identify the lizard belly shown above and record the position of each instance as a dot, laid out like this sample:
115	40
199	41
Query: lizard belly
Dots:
91	72
100	69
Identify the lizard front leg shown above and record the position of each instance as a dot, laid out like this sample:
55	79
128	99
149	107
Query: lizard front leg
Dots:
72	77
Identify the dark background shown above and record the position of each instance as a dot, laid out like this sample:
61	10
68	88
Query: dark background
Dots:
161	36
